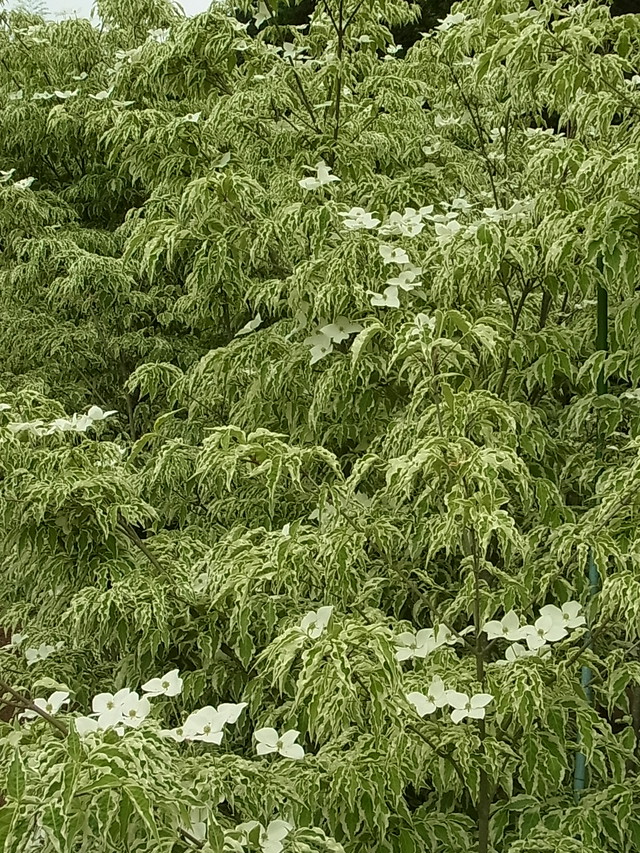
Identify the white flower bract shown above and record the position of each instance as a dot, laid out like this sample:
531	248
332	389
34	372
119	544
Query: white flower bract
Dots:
315	622
169	684
269	741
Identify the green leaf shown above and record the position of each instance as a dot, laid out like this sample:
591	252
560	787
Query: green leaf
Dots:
142	804
16	779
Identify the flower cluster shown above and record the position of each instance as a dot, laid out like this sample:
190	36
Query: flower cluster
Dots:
358	219
77	423
206	724
552	625
419	644
438	696
322	341
406	279
117	711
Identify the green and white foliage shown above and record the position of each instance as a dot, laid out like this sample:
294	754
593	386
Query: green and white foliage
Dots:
301	405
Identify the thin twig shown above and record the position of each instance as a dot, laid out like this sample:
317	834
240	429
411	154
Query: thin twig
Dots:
27	703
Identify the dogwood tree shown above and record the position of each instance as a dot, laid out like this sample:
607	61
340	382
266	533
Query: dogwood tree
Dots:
319	419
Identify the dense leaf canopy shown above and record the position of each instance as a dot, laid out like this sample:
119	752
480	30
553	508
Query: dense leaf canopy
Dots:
368	321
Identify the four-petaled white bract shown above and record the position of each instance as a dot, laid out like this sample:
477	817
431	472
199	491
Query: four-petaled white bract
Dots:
406	279
41	653
98	414
508	627
393	254
415	645
205	724
446	233
568	615
420	644
340	329
517	650
269	839
437	696
465	706
103	702
408	224
134	710
423	321
314	623
358	219
231	711
321	345
543	631
323	176
388	299
51	705
169	684
269	741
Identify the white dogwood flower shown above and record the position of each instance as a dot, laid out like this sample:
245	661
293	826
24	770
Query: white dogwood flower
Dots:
508	627
169	684
357	219
205	724
135	710
321	345
315	622
517	650
437	696
465	706
269	741
270	838
103	702
41	653
423	321
388	299
393	254
543	631
340	329
446	232
51	705
95	413
263	15
406	280
322	177
231	711
415	644
409	224
568	615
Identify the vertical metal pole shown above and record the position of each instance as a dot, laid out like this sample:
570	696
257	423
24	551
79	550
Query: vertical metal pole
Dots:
602	343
